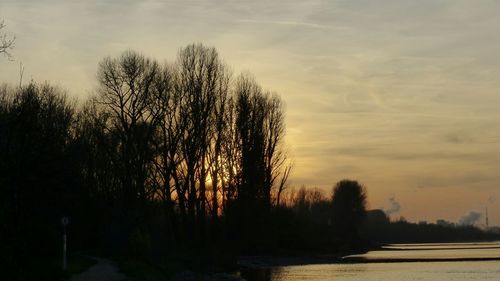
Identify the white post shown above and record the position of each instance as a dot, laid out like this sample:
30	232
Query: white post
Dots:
64	222
64	250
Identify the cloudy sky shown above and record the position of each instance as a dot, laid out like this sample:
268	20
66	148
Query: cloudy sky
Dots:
403	96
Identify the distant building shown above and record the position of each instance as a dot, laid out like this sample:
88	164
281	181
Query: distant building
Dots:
376	216
494	229
445	223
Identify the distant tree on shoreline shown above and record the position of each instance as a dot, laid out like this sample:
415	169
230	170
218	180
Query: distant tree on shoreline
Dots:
348	208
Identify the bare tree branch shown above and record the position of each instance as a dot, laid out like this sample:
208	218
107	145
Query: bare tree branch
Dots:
6	42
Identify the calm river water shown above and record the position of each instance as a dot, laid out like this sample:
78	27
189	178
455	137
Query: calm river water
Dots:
399	262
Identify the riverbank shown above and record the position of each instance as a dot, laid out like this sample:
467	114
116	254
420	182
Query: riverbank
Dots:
457	261
298	258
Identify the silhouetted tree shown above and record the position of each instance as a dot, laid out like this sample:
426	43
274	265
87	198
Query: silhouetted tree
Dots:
230	154
259	132
348	208
98	147
167	142
250	118
202	85
38	177
283	181
127	91
218	135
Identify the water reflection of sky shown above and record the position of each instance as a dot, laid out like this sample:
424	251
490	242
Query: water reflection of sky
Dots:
433	254
442	245
442	270
435	251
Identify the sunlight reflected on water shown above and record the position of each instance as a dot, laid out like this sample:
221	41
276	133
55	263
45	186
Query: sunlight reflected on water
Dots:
442	270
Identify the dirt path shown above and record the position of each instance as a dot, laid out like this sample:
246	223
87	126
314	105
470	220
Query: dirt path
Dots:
103	270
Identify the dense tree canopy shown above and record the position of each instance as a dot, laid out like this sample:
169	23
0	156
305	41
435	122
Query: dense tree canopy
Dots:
348	207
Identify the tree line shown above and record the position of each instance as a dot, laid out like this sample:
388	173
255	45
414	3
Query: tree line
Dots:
182	153
379	229
186	134
163	158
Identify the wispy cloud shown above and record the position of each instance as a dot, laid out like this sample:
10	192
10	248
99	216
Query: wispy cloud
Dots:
292	23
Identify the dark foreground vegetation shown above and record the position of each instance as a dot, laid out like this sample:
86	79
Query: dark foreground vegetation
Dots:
169	166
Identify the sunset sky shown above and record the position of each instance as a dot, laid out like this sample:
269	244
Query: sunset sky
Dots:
403	96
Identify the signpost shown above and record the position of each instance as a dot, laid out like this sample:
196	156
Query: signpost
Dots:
64	222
